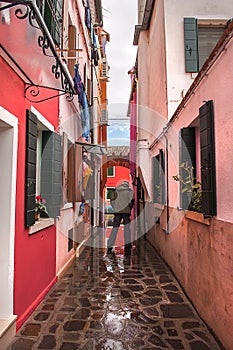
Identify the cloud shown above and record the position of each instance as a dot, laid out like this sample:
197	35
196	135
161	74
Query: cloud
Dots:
118	133
120	18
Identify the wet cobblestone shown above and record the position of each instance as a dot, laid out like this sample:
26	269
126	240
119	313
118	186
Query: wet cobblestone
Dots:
115	302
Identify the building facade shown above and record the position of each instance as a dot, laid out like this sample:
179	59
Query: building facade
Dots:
183	112
50	61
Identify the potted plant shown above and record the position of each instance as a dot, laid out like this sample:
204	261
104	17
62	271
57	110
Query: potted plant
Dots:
40	208
190	186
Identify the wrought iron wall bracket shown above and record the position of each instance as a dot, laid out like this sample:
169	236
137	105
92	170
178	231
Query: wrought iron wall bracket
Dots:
32	93
27	9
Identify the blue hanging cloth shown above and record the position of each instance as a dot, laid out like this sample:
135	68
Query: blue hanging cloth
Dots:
82	98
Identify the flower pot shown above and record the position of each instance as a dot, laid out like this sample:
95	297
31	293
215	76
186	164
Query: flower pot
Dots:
43	215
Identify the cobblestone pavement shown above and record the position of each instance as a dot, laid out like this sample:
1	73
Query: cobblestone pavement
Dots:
119	302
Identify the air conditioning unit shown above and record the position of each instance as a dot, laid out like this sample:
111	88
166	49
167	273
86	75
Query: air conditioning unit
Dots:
104	116
104	73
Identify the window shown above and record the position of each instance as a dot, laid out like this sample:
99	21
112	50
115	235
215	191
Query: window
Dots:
72	48
200	38
158	178
207	148
188	148
51	11
43	168
71	171
188	159
109	192
111	171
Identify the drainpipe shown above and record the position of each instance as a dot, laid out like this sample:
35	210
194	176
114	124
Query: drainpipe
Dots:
167	185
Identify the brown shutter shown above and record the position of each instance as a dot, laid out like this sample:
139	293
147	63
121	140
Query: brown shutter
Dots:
208	172
74	183
72	47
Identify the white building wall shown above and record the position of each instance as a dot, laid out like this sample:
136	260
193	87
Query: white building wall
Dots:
178	81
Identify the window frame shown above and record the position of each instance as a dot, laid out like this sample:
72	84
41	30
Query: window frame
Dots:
54	20
158	177
113	171
191	40
42	125
106	193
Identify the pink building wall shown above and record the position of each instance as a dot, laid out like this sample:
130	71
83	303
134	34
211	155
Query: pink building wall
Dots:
200	251
151	50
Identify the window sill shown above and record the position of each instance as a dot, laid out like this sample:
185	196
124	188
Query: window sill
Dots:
67	206
41	224
158	206
198	217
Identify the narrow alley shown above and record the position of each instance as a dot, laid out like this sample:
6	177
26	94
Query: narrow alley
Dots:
118	301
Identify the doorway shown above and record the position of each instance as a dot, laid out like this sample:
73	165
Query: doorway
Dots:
8	163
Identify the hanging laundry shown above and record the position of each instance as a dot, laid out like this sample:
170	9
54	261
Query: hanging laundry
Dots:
87	171
88	15
78	85
94	51
82	98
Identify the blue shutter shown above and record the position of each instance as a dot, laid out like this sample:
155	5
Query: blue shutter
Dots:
51	172
30	181
191	45
208	172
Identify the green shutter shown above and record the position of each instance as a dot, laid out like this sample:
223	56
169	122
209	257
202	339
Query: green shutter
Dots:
158	178
70	239
155	177
53	18
51	172
30	181
162	176
187	156
191	45
57	21
208	172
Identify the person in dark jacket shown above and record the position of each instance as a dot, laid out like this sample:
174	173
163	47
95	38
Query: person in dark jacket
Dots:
122	201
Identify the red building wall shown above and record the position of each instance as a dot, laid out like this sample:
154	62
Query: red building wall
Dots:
121	173
35	255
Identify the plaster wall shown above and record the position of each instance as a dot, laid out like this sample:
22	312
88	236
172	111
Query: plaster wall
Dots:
70	124
174	11
200	253
34	255
152	102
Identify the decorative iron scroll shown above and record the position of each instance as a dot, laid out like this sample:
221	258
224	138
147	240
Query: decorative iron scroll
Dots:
26	9
32	92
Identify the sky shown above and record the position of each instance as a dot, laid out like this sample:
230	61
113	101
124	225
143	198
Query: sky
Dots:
120	18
